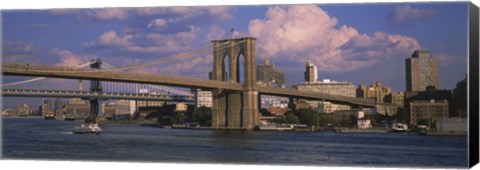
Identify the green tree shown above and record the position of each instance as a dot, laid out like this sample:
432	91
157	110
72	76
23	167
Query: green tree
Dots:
325	119
180	118
280	120
165	120
291	118
204	116
352	120
306	116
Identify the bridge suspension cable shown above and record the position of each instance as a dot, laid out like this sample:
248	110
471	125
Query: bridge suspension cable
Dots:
41	78
163	88
109	67
167	59
180	56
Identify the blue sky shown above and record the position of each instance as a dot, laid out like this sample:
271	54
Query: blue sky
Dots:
360	43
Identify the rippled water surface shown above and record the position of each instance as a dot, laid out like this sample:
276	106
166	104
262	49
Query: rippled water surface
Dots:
35	138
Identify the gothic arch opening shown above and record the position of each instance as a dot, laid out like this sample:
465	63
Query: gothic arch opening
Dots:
226	68
240	68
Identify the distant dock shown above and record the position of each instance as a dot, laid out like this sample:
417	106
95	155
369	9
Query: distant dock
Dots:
352	130
211	128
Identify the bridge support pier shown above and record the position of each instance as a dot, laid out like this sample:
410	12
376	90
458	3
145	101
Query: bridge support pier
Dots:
95	86
235	109
250	109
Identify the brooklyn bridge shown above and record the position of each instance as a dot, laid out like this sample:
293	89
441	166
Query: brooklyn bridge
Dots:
234	86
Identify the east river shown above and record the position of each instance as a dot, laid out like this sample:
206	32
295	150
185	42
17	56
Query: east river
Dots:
35	138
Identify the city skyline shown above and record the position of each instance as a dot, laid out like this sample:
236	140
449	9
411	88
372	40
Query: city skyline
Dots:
361	84
342	45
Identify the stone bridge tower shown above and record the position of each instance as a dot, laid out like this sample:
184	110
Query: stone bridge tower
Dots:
235	109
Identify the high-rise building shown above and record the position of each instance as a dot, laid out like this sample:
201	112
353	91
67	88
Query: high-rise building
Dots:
375	91
269	75
421	71
311	72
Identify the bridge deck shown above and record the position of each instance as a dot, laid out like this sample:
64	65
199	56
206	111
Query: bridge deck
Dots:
118	76
115	76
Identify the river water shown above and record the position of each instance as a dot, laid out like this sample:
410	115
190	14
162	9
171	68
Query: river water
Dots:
35	138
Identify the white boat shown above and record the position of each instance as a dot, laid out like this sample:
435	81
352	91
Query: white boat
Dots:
399	127
87	128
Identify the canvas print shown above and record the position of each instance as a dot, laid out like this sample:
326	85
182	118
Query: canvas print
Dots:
367	84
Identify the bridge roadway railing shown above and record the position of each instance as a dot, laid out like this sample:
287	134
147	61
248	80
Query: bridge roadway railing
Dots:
87	94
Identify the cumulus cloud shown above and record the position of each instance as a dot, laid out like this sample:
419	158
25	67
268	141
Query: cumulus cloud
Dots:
108	14
140	42
307	31
110	39
25	52
403	14
67	58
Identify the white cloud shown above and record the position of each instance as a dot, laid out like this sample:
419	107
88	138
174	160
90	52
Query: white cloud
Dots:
109	13
110	39
215	32
158	23
67	58
220	12
402	14
140	42
308	32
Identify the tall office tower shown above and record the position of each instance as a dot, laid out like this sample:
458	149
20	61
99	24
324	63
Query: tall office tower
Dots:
269	75
311	74
421	71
